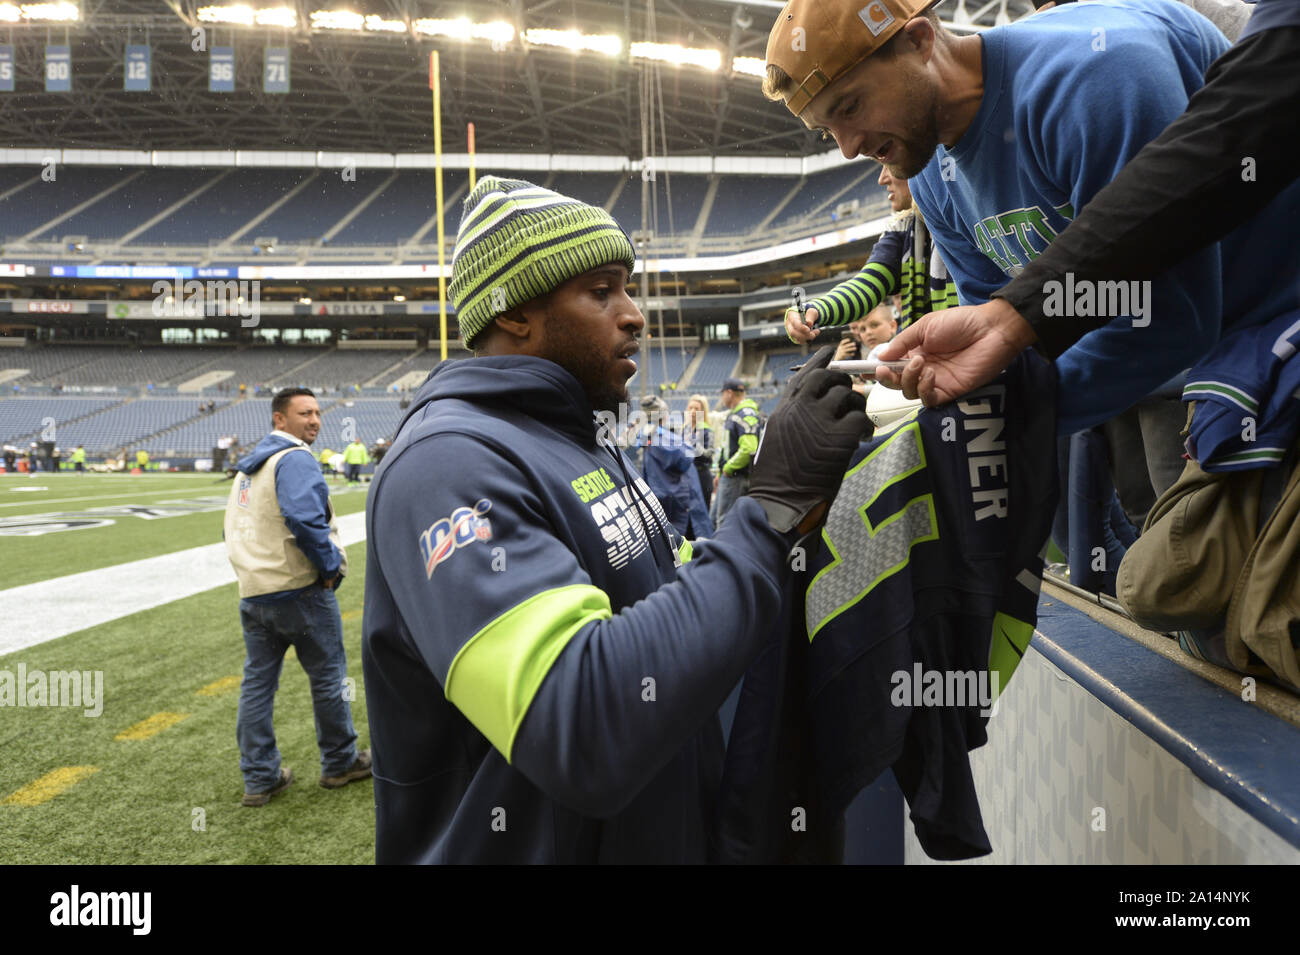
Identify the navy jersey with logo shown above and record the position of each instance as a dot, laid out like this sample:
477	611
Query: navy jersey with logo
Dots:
913	611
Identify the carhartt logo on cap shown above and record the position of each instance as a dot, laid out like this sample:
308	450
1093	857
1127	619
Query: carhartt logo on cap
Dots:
876	16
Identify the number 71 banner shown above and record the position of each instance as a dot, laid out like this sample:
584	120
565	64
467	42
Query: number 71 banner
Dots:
275	70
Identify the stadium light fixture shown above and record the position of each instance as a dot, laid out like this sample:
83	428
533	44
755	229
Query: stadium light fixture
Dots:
378	24
241	14
462	28
244	15
749	65
399	298
677	54
336	20
9	13
276	17
62	11
608	44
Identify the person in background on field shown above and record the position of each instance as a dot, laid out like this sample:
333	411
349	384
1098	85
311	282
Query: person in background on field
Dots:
669	469
700	439
283	542
79	458
744	427
355	457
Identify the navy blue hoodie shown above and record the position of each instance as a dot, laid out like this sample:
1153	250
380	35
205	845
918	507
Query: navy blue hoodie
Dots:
542	680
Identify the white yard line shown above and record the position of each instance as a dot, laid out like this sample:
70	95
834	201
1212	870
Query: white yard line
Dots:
173	490
36	613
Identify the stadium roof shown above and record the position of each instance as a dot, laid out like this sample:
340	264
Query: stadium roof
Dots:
366	88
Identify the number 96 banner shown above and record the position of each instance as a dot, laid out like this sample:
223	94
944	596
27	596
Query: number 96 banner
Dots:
221	70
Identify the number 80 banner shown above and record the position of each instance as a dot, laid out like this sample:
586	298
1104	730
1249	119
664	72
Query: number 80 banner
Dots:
58	69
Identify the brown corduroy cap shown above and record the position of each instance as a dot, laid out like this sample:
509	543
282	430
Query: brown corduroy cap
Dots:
818	41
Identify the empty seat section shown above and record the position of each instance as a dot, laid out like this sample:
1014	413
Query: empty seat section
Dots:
366	418
320	204
248	420
121	366
45	364
225	208
829	187
127	423
41	202
715	366
743	202
397	213
23	419
134	204
343	369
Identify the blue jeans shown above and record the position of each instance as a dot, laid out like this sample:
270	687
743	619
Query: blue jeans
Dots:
730	489
310	623
1089	515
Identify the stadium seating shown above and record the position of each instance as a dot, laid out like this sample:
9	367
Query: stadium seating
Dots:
716	365
126	423
248	420
225	208
742	202
132	367
343	369
23	418
266	365
47	364
43	201
367	418
660	366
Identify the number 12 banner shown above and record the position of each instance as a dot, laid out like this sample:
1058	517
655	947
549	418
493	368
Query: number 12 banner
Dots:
139	68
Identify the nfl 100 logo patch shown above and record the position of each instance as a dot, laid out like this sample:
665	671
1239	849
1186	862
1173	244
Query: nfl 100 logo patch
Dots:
446	536
245	485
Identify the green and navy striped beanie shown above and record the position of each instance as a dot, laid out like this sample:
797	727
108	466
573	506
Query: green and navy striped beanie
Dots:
518	241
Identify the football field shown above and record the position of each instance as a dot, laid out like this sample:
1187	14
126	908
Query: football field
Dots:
119	738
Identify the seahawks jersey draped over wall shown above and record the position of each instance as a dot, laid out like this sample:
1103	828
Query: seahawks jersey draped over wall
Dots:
917	605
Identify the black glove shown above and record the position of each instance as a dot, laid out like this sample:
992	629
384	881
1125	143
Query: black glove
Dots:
807	445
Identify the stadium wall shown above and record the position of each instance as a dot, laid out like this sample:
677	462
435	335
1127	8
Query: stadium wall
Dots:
1097	730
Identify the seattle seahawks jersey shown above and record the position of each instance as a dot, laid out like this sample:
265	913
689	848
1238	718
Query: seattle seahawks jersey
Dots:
912	613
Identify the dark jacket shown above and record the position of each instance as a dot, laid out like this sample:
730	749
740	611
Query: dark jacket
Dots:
542	682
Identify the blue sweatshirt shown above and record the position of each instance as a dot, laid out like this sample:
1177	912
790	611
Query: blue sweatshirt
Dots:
1070	95
669	466
542	682
304	502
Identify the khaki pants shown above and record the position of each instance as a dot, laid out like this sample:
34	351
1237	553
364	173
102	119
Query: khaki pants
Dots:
1205	559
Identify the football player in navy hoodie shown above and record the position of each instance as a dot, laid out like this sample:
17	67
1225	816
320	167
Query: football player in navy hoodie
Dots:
544	656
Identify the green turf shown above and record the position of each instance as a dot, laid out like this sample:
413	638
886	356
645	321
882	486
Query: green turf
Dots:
31	559
139	807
